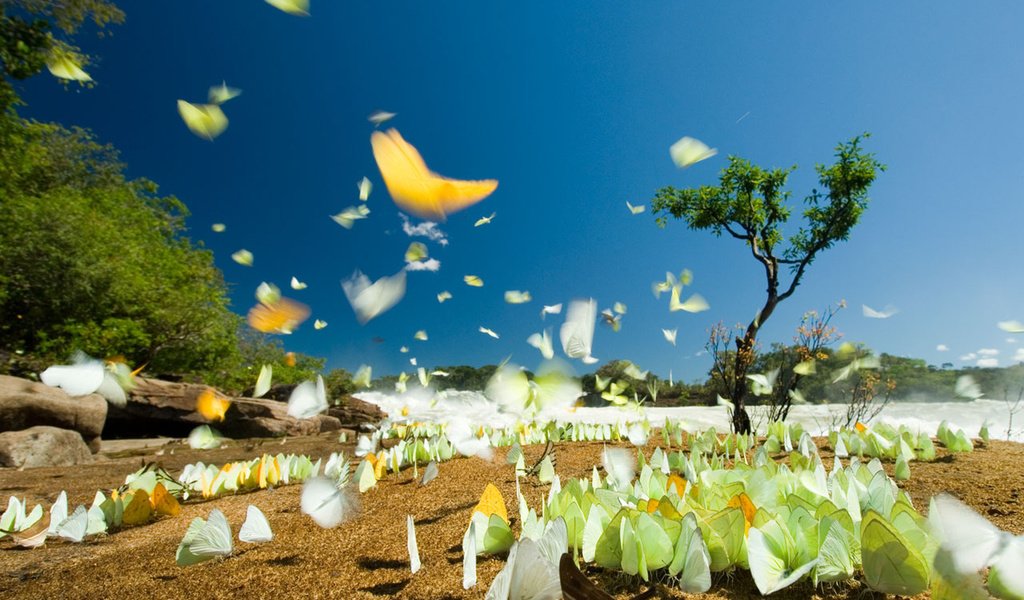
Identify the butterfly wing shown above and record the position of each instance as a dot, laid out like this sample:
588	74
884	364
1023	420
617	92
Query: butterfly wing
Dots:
256	528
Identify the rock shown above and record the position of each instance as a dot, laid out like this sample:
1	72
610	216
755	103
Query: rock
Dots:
43	446
25	404
157	407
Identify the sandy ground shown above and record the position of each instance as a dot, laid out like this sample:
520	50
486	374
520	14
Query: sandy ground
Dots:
366	556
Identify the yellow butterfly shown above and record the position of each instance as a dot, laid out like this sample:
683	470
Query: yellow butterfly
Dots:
163	502
205	120
65	65
473	281
293	7
138	510
416	189
492	503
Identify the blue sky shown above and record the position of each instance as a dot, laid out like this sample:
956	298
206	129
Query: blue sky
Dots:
572	107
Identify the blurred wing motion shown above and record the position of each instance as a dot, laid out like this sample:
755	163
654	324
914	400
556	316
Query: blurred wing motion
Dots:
370	300
381	116
211	405
635	209
219	94
689	151
695	303
293	7
416	189
1011	326
308	399
242	257
205	120
577	333
670	335
347	217
967	387
282	316
324	502
878	314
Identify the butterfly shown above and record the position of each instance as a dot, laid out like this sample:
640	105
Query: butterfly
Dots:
688	151
263	381
65	65
281	316
381	116
205	120
484	220
878	314
370	300
308	399
365	187
243	257
256	528
205	540
414	549
416	189
324	502
577	333
347	217
489	332
473	281
517	297
222	93
670	335
635	209
445	295
218	227
211	405
293	7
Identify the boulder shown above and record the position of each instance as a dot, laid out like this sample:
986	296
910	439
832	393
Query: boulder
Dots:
157	407
25	404
43	446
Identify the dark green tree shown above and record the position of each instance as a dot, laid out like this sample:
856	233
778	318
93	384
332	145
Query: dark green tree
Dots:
93	261
749	204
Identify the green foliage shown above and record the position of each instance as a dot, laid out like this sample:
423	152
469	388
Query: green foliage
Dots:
90	260
31	29
240	365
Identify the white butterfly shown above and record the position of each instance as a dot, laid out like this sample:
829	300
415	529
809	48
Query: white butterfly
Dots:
381	116
429	473
256	528
205	539
762	384
74	528
542	342
531	572
319	324
635	209
688	151
243	257
78	379
619	464
369	301
324	502
577	333
554	309
469	557
966	387
297	285
58	512
484	220
445	295
489	332
308	399
414	549
204	437
670	335
876	314
695	303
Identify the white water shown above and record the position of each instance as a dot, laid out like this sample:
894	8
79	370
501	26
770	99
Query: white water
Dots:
816	418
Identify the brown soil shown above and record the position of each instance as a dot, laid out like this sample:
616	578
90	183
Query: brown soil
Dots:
366	556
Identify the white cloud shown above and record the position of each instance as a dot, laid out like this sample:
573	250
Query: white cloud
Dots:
942	348
988	362
427	229
431	264
1019	356
1011	340
968	357
988	352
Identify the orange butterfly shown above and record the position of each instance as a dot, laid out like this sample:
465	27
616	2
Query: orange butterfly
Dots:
282	316
415	188
212	406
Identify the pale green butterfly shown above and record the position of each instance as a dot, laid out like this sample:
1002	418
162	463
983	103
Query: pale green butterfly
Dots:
691	562
771	554
219	94
263	381
292	7
205	120
688	151
205	540
891	564
348	216
243	257
412	546
517	297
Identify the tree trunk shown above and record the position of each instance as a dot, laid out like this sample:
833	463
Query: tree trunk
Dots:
744	358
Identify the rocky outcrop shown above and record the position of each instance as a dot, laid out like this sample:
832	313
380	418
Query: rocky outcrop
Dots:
43	446
157	407
25	404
